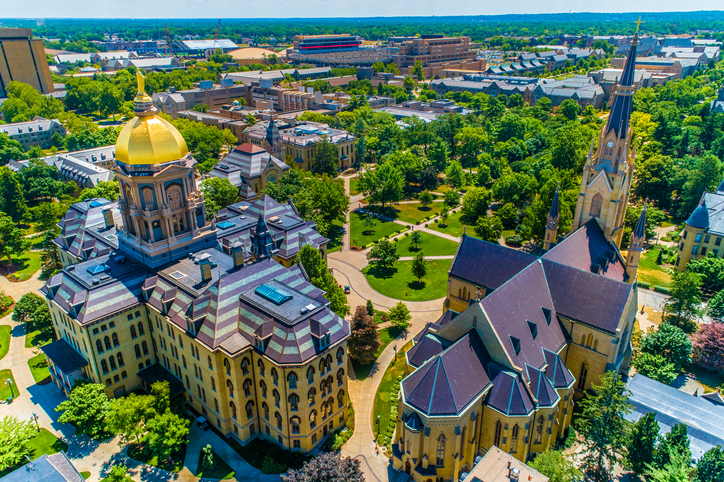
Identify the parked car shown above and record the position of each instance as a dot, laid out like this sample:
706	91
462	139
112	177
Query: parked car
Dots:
346	289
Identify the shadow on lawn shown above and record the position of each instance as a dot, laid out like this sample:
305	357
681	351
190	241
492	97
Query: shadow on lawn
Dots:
381	273
416	285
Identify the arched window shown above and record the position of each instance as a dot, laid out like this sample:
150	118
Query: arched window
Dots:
140	328
148	198
174	197
278	419
247	387
213	384
340	376
582	377
514	439
249	409
313	418
292	379
310	375
112	362
188	385
137	349
328	362
107	342
312	395
463	435
230	386
119	357
144	347
275	394
133	331
596	205
323	388
294	401
498	432
440	450
589	342
340	399
104	366
539	430
262	386
232	405
265	407
114	336
245	366
340	356
227	367
209	362
321	366
260	364
183	360
275	376
99	346
295	424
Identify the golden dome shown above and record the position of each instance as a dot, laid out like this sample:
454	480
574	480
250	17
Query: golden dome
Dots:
148	139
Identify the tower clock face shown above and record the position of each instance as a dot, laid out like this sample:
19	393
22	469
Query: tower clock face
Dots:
610	144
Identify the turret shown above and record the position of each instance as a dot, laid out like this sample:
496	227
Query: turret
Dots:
262	243
552	222
636	246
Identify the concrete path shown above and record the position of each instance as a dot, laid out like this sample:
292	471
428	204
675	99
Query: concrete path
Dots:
17	290
661	232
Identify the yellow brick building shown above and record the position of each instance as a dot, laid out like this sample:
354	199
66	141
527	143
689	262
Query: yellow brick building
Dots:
703	230
23	60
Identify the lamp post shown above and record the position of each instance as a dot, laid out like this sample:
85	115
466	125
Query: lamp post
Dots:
35	417
9	383
395	348
378	428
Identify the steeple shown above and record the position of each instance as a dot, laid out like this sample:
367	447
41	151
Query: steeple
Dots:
262	243
636	246
618	120
552	221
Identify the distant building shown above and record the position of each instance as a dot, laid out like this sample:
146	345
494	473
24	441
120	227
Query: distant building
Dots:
276	77
493	85
341	50
718	104
93	57
681	67
213	119
48	468
86	168
207	93
250	168
609	78
436	52
499	466
23	60
38	132
580	88
145	63
203	47
703	230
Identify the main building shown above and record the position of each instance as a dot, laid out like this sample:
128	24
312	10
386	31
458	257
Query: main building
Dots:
152	290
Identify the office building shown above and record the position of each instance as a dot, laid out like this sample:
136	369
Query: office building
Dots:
23	60
38	132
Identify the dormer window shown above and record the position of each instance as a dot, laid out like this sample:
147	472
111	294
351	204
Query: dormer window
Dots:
516	344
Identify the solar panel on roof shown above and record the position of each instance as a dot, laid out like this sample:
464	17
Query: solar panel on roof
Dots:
276	296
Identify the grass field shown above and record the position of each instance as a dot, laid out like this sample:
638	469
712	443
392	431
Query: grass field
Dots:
221	469
175	465
652	273
23	267
384	400
362	236
39	367
453	226
431	245
37	335
388	334
410	213
44	443
336	236
6	390
400	284
4	340
354	187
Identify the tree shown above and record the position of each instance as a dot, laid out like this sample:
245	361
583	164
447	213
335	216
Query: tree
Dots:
570	109
715	307
318	272
515	188
602	424
677	469
47	215
218	193
684	302
711	466
568	148
118	473
452	198
656	367
444	213
675	442
127	416
419	266
670	342
14	438
708	347
10	149
416	239
364	341
104	189
370	308
86	408
400	315
250	119
455	176
641	444
476	202
370	221
207	454
26	308
161	392
327	160
166	434
711	270
12	239
384	254
508	215
12	201
110	100
489	228
389	184
326	467
556	466
418	70
426	198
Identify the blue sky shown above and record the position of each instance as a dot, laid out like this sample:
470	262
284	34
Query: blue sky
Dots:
326	8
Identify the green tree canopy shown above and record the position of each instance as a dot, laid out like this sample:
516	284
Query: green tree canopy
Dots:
556	466
317	270
218	193
14	441
86	408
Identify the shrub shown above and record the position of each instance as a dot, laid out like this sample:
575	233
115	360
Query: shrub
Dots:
271	466
662	289
5	302
514	240
644	285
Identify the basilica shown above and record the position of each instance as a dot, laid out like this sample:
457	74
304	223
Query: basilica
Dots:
523	336
152	289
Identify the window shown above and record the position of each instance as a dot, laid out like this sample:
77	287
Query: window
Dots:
140	367
462	442
260	364
292	379
340	376
340	399
247	387
295	424
697	239
498	432
183	360
130	317
112	362
144	347
311	395
707	238
188	385
227	367
718	241
275	376
107	342
104	366
539	430
249	409
294	401
213	384
140	328
297	444
310	375
582	377
275	394
703	250
216	405
596	205
133	332
340	356
116	378
684	234
278	419
695	250
211	365
119	357
440	450
262	386
716	253
99	346
514	439
313	418
245	366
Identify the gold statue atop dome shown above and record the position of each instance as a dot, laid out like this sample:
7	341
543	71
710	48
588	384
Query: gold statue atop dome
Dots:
141	95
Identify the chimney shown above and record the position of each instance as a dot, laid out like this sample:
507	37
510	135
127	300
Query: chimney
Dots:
514	474
205	266
108	218
237	254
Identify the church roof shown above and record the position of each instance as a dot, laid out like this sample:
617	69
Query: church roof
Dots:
508	394
618	119
640	229
556	371
541	387
555	207
700	216
426	348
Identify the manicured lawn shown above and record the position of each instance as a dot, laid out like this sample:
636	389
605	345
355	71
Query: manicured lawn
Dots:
45	443
38	335
652	273
410	213
39	367
362	235
336	236
175	465
453	226
23	267
388	334
431	245
221	469
354	187
37	241
385	406
85	474
6	391
399	283
258	449
4	340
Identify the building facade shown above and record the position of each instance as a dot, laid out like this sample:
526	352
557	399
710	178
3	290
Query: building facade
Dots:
37	132
436	52
250	168
23	60
157	292
703	230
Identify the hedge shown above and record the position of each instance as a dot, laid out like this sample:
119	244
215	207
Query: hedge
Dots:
662	289
644	285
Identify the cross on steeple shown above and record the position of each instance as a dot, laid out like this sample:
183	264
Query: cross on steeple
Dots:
638	24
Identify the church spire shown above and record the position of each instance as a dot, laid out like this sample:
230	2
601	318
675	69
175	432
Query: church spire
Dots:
552	221
262	243
618	120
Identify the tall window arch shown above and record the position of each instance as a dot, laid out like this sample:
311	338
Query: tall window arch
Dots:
292	379
247	387
249	409
213	384
265	407
133	331
311	395
99	346
340	376
596	205
582	377
340	356
313	418
294	401
539	430
275	376
244	366
440	450
174	197
310	375
104	366
340	399
140	328
230	386
260	364
514	439
498	433
278	419
262	386
232	405
137	349
295	424
276	398
107	342
119	357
